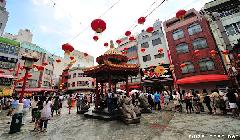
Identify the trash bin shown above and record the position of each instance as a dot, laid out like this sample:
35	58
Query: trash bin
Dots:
16	123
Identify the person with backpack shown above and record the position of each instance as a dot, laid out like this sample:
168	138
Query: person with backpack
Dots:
232	98
55	106
69	103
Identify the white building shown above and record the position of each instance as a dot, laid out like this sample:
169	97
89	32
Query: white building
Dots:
152	42
78	82
3	16
24	35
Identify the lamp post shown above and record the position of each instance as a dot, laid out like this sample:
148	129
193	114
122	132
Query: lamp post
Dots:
28	62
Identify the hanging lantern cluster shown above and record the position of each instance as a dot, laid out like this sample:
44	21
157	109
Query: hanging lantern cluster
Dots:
95	38
98	25
181	14
67	48
150	29
141	20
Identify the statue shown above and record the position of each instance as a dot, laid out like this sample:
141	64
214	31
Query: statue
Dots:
144	105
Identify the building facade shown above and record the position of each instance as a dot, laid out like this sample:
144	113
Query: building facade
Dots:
190	42
24	35
3	16
152	42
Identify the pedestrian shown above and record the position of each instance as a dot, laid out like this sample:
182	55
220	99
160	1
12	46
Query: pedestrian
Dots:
55	105
232	98
150	101
207	101
60	100
26	106
34	107
157	101
222	103
201	98
177	102
79	102
166	99
196	102
215	100
45	114
1	103
188	101
69	103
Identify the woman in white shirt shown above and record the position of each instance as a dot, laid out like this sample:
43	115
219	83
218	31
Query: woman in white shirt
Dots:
46	114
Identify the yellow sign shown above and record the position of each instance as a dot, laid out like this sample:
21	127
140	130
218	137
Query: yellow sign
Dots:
6	91
160	70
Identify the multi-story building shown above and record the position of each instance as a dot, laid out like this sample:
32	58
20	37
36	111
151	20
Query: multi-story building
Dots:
78	82
131	51
224	19
3	16
82	59
152	42
190	42
9	50
39	79
24	35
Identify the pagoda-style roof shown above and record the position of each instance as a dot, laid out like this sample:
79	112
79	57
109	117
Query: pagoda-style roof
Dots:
114	63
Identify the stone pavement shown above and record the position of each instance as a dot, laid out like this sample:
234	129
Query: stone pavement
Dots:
158	125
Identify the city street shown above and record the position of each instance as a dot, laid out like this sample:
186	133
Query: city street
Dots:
159	125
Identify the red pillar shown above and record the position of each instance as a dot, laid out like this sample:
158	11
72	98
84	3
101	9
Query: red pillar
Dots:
24	84
127	90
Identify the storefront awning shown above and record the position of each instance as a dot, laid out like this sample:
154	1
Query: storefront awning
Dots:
6	76
202	79
36	89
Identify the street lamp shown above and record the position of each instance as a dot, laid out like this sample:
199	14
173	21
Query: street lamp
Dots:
28	62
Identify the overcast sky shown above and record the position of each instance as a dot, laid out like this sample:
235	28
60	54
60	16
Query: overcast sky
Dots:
52	25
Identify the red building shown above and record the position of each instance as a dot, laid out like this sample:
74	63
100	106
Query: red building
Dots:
190	43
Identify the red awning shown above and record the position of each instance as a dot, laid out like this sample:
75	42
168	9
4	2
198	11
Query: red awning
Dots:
6	76
202	79
36	89
135	87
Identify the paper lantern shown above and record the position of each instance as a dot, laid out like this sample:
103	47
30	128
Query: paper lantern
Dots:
106	44
127	33
132	38
1	71
118	41
160	50
123	53
58	60
40	68
182	65
85	54
11	70
143	49
197	52
238	56
213	52
67	48
141	20
29	75
71	57
95	38
225	52
45	63
98	25
149	29
181	14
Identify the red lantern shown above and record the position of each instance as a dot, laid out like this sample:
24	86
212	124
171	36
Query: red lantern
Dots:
182	65
71	57
125	49
85	54
95	38
225	52
98	25
118	41
213	52
127	33
106	44
29	75
196	52
40	68
149	29
238	56
67	48
141	20
132	38
11	70
1	71
180	14
58	60
123	52
160	50
45	63
143	49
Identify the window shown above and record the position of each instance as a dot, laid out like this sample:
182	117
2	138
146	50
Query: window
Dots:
73	84
199	43
155	32
80	75
146	58
206	64
178	34
145	36
194	28
145	45
156	41
229	12
182	48
68	84
74	75
78	83
159	55
189	68
233	28
46	83
48	72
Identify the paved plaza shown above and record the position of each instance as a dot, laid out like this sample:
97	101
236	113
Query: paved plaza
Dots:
164	125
